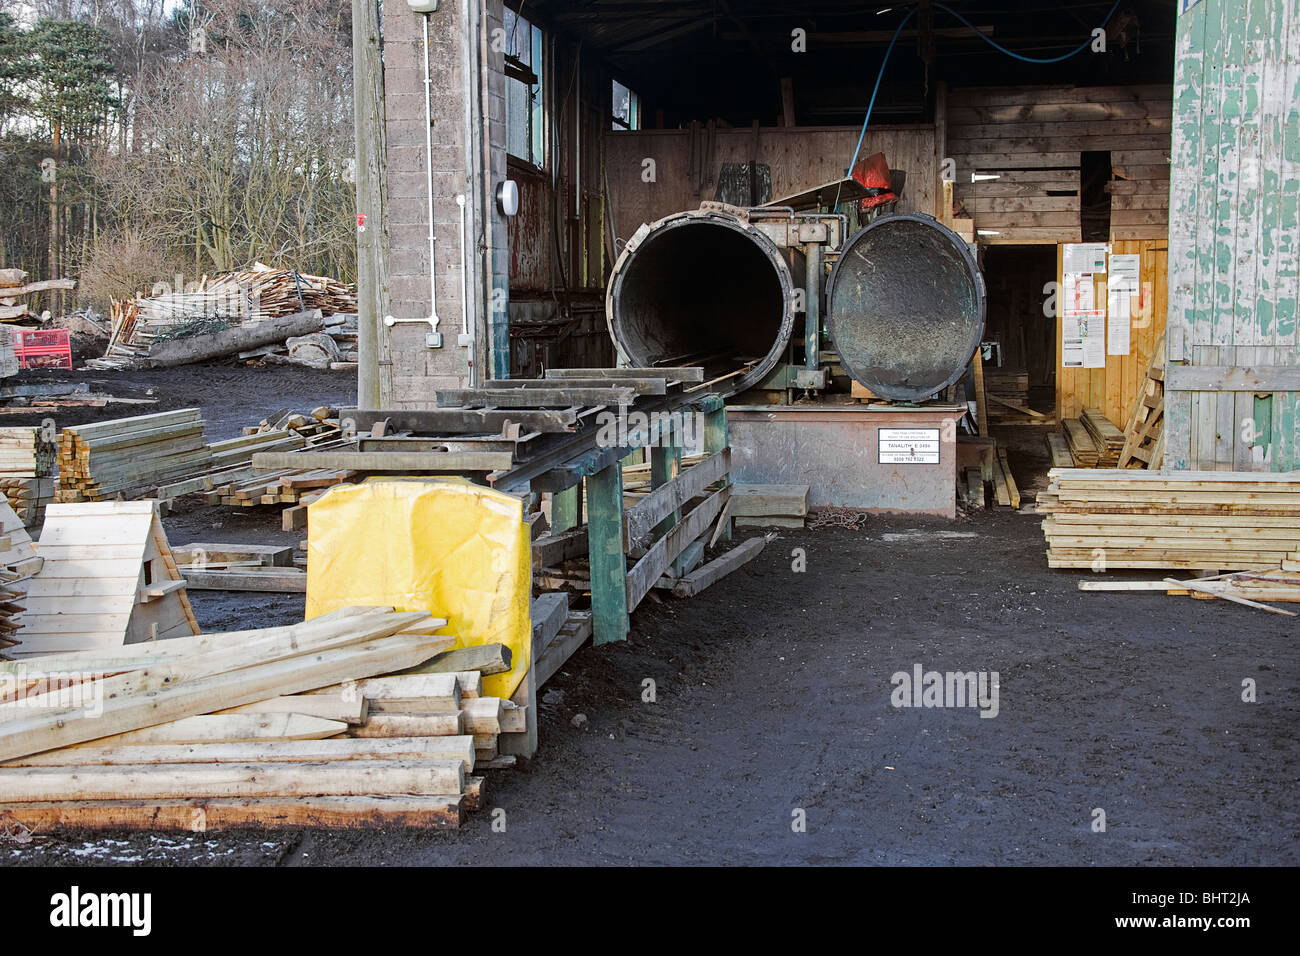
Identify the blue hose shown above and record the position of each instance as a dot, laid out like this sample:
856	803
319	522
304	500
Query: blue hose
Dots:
1001	49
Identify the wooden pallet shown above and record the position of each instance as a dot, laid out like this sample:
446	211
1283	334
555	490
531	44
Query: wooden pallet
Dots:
1144	433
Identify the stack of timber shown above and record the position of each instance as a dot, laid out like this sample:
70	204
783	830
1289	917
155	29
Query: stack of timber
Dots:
217	566
1006	393
223	316
14	288
263	728
1107	438
26	470
129	455
769	506
18	563
1144	445
1239	521
1079	440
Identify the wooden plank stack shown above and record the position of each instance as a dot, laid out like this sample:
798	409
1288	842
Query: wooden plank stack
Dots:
1083	449
108	579
1105	435
318	724
763	506
128	455
1111	518
26	466
1007	397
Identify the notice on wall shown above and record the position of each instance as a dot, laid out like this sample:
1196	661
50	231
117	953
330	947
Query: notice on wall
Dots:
1084	257
1121	288
908	446
1083	339
1080	293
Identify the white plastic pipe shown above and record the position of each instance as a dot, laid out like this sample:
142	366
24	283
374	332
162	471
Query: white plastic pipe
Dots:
432	319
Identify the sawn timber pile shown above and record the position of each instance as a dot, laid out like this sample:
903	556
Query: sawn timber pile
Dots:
289	726
1230	521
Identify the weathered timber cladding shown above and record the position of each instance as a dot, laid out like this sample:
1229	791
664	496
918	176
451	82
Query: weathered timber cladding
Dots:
1235	231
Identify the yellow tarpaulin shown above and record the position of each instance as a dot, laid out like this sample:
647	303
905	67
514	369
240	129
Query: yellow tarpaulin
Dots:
442	545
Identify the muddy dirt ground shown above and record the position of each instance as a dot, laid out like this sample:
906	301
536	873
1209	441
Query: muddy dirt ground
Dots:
773	696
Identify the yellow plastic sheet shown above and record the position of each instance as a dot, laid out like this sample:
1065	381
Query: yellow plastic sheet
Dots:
442	545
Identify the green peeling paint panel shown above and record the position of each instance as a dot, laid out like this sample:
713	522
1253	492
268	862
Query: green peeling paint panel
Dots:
1234	229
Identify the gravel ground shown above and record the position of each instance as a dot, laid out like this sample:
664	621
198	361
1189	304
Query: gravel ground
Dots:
773	703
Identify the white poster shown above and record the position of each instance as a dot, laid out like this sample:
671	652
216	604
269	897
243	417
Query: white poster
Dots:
1089	257
1071	341
1119	318
1083	340
1125	266
1080	293
1123	283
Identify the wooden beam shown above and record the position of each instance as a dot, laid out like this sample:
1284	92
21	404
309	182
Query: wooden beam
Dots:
686	374
1227	378
641	519
647	571
642	386
695	582
396	461
535	397
434	421
606	551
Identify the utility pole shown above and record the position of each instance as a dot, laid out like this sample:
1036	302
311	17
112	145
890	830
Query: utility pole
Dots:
375	366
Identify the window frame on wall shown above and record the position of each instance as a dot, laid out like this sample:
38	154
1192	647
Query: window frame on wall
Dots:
525	52
630	122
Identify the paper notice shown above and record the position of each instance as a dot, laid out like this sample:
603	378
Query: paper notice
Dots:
1081	257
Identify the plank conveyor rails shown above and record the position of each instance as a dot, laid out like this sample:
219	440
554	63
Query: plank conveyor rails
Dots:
552	435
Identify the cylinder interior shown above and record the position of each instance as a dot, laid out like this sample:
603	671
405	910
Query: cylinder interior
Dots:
697	292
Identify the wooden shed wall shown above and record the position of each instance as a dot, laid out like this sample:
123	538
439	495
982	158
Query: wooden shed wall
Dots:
1234	378
799	157
1114	388
1033	139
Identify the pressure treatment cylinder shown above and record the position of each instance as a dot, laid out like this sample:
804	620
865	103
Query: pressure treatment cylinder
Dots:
905	307
707	288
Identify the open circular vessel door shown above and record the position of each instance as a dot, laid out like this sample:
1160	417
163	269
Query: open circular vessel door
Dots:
905	308
705	288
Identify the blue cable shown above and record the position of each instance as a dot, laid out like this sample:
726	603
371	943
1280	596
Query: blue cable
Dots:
947	9
1011	53
879	76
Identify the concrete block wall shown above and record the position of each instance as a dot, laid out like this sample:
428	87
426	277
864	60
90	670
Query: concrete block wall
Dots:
419	371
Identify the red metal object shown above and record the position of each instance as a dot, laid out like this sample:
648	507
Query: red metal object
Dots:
43	348
873	173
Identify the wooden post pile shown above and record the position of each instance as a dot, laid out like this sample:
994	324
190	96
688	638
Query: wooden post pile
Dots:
1104	519
238	300
347	720
14	286
26	466
129	454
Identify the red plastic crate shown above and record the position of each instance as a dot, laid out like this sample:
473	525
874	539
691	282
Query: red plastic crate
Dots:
43	348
